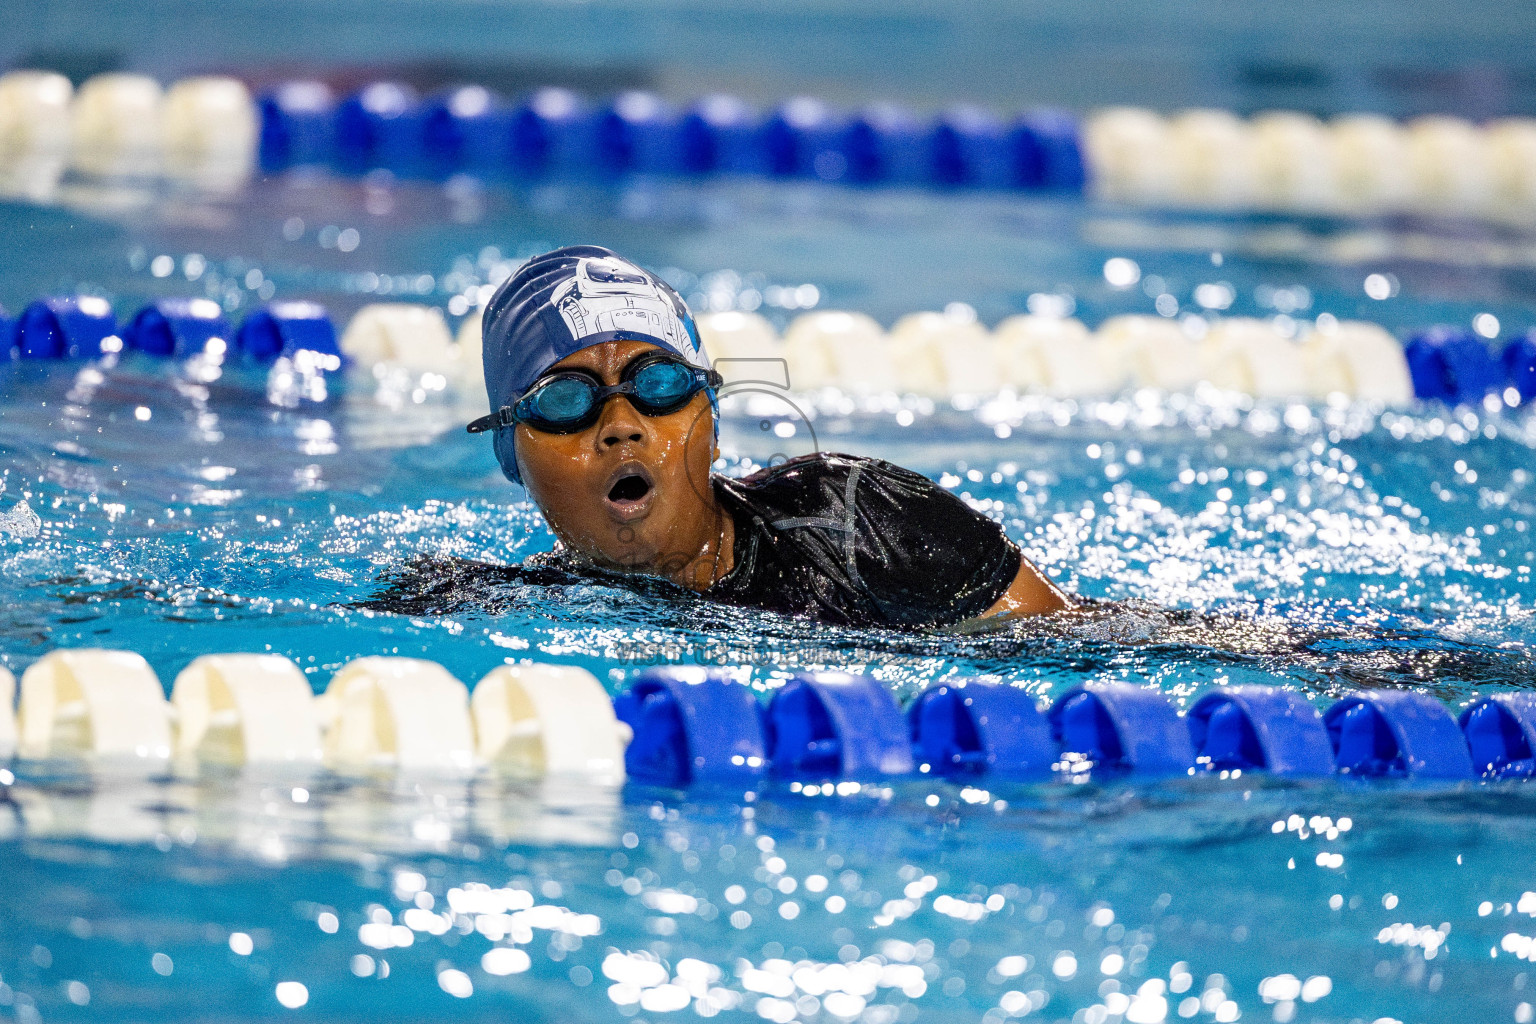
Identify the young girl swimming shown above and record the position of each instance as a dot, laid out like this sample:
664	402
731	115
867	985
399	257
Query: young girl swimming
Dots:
605	409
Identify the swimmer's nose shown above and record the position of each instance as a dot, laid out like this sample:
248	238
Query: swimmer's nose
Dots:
619	423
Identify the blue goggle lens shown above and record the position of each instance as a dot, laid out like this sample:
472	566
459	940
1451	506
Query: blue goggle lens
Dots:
663	384
563	400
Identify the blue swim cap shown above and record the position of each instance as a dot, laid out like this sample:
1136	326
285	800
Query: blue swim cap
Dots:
564	301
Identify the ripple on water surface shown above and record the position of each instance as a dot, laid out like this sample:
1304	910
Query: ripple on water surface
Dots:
1197	899
1334	546
1322	547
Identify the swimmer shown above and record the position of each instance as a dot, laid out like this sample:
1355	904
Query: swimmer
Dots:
605	410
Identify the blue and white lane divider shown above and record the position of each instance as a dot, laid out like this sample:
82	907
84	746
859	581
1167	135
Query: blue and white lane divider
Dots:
1197	158
929	354
211	131
687	727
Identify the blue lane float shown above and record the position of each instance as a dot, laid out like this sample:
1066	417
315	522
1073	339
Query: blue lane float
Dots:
286	328
640	132
981	728
466	129
67	327
554	132
177	327
1393	733
719	136
1259	728
886	144
831	725
971	148
801	139
1501	735
297	125
1122	727
379	126
1048	153
692	726
1452	365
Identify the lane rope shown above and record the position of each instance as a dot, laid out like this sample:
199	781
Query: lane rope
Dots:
940	356
211	131
686	726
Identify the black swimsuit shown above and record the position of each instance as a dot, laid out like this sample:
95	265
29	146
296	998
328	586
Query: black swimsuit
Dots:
836	538
860	542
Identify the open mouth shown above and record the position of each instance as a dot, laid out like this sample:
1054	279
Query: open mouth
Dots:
630	490
631	487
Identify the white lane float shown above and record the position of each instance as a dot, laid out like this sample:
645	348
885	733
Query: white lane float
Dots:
1249	355
34	132
34	115
1130	154
1357	359
405	334
117	126
400	713
1450	167
471	349
1512	163
1292	162
940	355
1212	155
1054	355
744	347
245	709
209	127
537	720
838	349
1371	161
737	334
1150	352
93	703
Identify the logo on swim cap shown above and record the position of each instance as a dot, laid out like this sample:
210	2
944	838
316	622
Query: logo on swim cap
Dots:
608	294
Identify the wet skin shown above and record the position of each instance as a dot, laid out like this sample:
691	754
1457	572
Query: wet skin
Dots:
632	492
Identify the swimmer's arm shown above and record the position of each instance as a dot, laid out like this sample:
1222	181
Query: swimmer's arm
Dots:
1030	593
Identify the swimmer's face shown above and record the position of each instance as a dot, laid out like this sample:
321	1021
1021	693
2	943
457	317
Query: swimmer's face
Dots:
631	491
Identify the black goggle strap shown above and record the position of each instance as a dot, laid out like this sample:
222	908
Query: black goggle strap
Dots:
503	417
507	415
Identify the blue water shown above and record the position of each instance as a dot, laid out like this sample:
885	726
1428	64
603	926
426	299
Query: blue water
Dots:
1326	548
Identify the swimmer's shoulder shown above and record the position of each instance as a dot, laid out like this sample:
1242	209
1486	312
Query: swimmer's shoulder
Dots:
830	483
814	477
817	466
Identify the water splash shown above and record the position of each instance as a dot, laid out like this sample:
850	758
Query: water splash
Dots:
21	521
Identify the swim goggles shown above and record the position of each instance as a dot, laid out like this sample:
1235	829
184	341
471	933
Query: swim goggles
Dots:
571	400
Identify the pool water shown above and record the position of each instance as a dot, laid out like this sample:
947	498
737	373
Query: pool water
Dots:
162	509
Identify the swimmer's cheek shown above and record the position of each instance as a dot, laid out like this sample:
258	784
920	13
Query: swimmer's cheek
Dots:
1030	593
